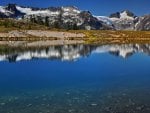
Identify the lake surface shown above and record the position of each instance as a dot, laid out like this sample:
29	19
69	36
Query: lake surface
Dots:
76	79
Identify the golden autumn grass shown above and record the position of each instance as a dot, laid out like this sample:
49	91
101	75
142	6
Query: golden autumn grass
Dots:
118	37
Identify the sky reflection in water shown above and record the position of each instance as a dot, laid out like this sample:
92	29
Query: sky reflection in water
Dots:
105	74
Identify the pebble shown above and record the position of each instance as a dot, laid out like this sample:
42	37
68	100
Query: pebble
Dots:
48	105
36	97
2	104
48	111
43	95
108	108
16	98
67	93
29	105
44	99
124	94
70	110
76	98
140	107
10	100
93	104
43	104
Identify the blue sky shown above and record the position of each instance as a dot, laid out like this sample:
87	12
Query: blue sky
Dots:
97	7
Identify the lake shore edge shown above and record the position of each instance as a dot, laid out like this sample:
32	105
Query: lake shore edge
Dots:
54	37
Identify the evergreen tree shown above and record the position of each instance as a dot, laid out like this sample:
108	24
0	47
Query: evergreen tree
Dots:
46	21
56	25
75	27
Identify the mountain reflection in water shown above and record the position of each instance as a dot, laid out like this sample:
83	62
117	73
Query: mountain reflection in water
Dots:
72	52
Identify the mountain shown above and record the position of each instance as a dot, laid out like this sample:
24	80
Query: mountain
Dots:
106	21
124	20
143	23
10	11
70	17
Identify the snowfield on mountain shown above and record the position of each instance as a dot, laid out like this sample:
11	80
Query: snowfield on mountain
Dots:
70	17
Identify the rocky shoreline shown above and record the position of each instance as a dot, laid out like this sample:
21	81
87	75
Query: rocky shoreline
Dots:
40	38
40	33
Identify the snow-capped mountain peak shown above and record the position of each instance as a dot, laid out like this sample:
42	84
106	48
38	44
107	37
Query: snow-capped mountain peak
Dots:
71	9
124	15
5	11
48	11
2	9
30	11
24	10
73	18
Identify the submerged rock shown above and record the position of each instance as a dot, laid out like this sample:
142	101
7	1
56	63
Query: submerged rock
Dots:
67	93
71	110
140	107
29	105
93	104
2	104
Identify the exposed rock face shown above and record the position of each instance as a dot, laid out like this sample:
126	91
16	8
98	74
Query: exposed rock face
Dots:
2	15
67	18
123	20
143	23
129	13
123	14
10	11
115	15
90	21
71	17
56	17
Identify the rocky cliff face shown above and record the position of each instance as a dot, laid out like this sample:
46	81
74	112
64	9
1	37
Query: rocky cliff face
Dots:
10	11
68	17
124	20
143	23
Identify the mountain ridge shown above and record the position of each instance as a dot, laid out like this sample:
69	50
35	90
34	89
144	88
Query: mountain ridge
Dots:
71	17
